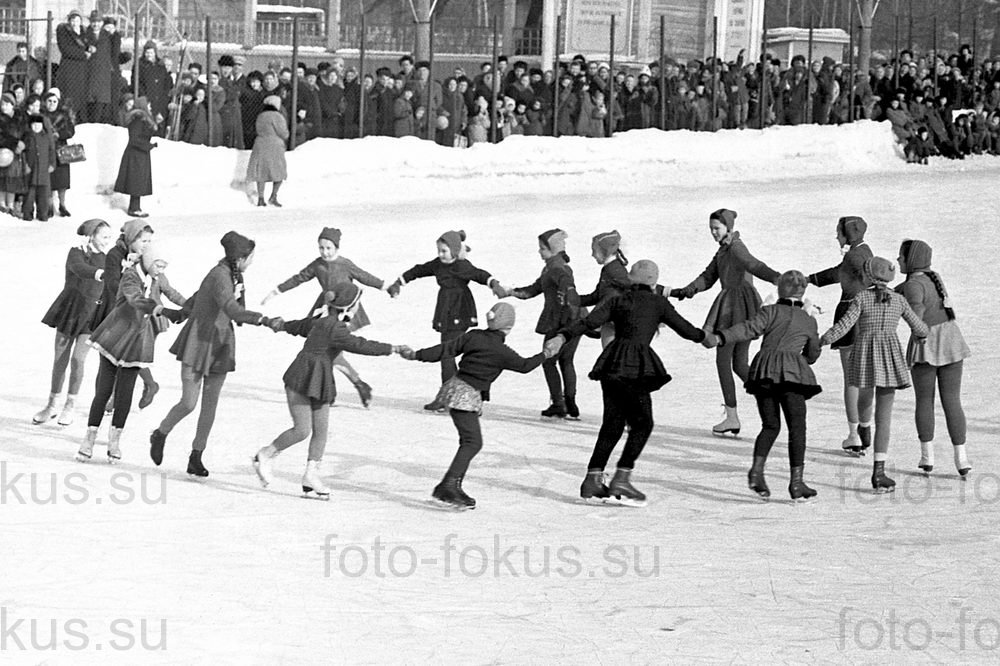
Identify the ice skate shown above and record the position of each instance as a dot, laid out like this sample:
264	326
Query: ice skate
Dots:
557	410
593	488
865	435
962	461
364	392
755	477
114	447
263	464
621	489
880	482
435	405
926	463
195	466
797	488
730	424
572	411
852	445
48	412
86	451
149	392
68	412
450	492
157	440
312	483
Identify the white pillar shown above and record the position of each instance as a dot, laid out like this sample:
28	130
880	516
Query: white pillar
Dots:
549	11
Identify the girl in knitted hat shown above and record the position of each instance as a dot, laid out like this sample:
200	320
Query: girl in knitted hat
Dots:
876	359
850	275
333	271
309	384
72	315
455	311
561	307
614	280
937	363
732	266
206	347
781	379
629	371
126	342
484	357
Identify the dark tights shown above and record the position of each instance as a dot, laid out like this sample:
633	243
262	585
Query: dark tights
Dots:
560	374
771	405
470	441
729	359
947	378
623	404
112	379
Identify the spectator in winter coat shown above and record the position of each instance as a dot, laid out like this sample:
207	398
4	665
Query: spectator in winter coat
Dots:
105	82
569	107
902	124
402	114
40	162
453	111
135	173
331	105
251	104
74	67
154	83
593	111
63	128
22	68
230	111
267	159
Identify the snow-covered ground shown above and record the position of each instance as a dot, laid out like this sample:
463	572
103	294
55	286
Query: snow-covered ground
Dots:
136	564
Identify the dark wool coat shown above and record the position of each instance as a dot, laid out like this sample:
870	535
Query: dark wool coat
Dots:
636	315
154	85
311	373
207	343
115	263
135	174
105	69
73	310
72	77
562	304
402	117
331	275
39	155
331	105
484	357
614	281
63	129
456	308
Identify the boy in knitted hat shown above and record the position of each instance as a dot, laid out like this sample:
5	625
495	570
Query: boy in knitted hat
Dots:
39	162
483	357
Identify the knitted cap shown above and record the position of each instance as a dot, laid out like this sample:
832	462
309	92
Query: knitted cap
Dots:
880	270
345	296
644	272
726	216
236	245
9	98
916	254
133	228
500	316
853	228
90	227
331	234
606	244
554	240
454	240
792	284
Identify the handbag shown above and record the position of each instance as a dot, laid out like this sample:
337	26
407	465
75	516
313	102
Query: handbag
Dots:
70	153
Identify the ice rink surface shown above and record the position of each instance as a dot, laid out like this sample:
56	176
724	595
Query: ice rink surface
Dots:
138	564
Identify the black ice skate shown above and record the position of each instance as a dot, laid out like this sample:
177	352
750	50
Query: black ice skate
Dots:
865	435
450	492
572	411
364	392
157	440
880	482
557	410
797	488
593	488
755	477
195	468
622	489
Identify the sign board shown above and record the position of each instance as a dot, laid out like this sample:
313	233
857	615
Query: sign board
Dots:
588	27
741	26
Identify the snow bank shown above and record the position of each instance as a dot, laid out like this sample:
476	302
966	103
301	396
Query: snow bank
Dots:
327	170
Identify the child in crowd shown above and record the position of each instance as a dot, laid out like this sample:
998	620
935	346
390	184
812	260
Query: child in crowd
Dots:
39	163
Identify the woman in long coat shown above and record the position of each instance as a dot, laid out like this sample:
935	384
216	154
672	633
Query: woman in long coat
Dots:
135	175
63	129
73	74
267	159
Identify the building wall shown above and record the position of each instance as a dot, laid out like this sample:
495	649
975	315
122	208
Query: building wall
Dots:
688	29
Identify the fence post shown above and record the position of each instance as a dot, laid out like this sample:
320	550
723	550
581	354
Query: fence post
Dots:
809	77
294	114
557	82
494	83
610	101
361	69
333	27
135	57
249	24
715	70
209	107
48	51
663	72
429	113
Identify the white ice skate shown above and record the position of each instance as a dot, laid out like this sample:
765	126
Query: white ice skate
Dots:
852	445
263	462
48	412
729	425
68	412
114	450
312	483
86	451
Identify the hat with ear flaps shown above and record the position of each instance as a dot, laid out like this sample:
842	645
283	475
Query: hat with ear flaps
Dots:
89	227
455	240
554	240
880	270
644	272
726	216
853	228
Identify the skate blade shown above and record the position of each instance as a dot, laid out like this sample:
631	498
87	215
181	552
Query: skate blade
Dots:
80	457
37	422
572	418
313	495
884	491
760	496
964	473
256	470
725	433
113	461
803	500
448	505
852	452
598	500
627	501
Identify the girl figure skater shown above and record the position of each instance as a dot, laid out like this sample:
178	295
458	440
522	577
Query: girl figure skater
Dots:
614	280
126	341
562	306
850	275
332	271
206	347
733	266
455	311
484	357
629	371
876	359
310	387
72	315
781	379
936	363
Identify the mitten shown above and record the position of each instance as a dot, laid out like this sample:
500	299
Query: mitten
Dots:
394	288
174	316
553	346
406	353
276	324
498	290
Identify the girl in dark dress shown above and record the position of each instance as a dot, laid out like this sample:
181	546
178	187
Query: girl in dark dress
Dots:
72	315
310	387
455	312
781	379
629	371
135	174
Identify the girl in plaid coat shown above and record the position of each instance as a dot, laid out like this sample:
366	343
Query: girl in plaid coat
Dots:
877	359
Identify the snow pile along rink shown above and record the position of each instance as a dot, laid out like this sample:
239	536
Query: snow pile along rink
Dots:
326	170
